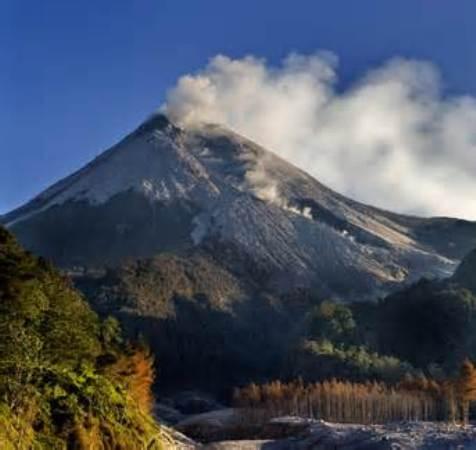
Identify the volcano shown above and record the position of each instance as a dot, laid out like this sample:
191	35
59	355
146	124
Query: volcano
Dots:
208	190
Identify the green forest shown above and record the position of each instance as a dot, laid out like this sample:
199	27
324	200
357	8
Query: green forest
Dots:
67	379
176	303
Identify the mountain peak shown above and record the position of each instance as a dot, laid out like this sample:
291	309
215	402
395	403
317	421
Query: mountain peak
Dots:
157	122
165	188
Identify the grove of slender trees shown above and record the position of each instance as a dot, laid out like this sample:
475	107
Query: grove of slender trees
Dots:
412	399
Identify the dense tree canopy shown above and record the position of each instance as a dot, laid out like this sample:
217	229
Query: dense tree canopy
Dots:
65	377
429	323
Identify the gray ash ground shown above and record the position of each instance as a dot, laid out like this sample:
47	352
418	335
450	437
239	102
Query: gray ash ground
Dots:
321	435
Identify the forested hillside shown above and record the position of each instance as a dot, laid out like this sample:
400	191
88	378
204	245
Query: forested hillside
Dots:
430	325
213	332
67	380
466	273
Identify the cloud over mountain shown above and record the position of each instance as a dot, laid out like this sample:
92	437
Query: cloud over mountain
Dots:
392	139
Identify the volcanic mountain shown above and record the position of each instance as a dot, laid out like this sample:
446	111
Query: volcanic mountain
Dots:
209	191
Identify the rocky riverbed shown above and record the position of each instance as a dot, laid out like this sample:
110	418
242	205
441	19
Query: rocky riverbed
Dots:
319	435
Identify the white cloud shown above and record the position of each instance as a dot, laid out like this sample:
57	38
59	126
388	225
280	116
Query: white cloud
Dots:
391	140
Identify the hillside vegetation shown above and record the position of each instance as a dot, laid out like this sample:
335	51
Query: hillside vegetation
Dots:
66	378
211	331
411	399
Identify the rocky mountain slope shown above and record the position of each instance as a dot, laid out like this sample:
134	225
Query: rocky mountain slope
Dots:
209	190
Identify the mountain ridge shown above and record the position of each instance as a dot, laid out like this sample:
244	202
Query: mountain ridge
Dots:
164	188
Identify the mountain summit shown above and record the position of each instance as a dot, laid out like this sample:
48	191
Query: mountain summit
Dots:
210	190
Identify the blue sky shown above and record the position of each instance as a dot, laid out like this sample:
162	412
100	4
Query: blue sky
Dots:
76	76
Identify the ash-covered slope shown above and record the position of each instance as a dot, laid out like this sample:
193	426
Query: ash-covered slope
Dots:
168	189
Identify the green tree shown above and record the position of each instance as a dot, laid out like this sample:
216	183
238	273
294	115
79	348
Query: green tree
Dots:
332	321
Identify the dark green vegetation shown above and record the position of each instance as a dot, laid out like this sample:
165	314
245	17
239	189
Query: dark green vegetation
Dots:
66	378
431	324
206	328
209	330
466	274
403	355
429	327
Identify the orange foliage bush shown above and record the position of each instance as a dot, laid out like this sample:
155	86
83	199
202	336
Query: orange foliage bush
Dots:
136	373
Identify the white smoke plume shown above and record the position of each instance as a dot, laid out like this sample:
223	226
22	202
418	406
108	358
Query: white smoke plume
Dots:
392	139
266	188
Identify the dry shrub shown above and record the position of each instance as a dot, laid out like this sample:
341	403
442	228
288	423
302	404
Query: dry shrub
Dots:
136	373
